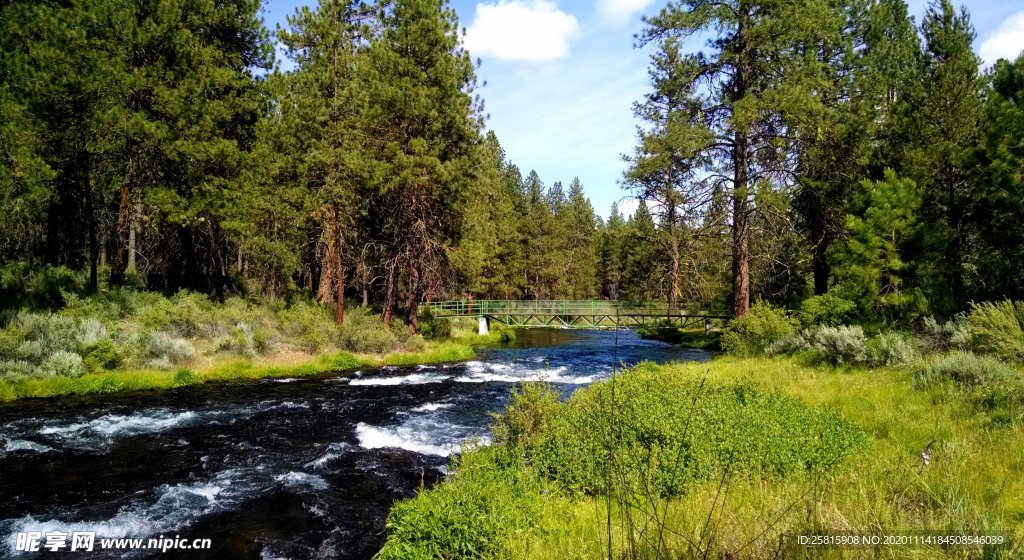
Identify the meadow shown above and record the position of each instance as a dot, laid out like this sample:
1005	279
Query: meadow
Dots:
801	430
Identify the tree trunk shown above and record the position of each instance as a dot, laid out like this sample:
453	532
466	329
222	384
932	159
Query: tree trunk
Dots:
673	291
133	236
741	258
741	202
389	296
94	249
412	301
339	272
325	290
117	271
822	270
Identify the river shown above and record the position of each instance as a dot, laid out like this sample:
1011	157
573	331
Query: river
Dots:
277	468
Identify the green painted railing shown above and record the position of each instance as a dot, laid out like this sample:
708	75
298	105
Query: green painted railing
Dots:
473	308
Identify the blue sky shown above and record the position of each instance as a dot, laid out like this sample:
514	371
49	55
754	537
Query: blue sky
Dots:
561	77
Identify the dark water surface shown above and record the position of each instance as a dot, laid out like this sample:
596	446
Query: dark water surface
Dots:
283	468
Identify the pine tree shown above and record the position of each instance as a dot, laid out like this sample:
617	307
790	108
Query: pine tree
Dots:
644	272
610	253
662	169
541	238
998	210
420	111
951	114
873	267
579	224
763	73
327	44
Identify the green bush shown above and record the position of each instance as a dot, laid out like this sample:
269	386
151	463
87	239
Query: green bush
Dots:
532	407
471	516
668	433
754	334
998	328
103	354
309	324
830	310
183	377
432	327
364	331
42	288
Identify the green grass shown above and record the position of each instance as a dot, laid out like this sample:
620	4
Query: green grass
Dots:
972	484
223	371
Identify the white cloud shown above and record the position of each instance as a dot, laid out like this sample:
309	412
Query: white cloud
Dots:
1007	41
530	30
621	11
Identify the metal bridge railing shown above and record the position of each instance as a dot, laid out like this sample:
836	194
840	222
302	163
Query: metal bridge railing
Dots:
469	308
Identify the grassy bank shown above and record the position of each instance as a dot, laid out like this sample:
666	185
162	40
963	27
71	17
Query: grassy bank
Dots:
124	340
749	466
228	369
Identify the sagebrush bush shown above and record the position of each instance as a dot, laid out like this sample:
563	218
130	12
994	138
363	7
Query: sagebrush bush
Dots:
998	328
240	340
17	369
966	370
63	364
89	332
892	349
830	310
838	345
754	334
163	345
994	387
954	334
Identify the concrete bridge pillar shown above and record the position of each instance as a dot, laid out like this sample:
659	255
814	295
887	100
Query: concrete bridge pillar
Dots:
484	326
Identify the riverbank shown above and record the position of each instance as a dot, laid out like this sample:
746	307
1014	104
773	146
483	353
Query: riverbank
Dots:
924	460
128	340
226	370
687	338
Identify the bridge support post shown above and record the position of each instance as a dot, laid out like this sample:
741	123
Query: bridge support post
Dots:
707	326
484	326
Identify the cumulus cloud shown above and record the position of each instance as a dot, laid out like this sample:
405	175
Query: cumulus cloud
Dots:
620	11
521	30
1007	41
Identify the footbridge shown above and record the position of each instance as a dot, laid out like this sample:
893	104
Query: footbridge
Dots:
571	314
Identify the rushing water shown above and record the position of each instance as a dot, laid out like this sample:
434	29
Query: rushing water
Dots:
282	468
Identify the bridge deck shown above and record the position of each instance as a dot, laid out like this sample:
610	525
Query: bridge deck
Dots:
569	313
